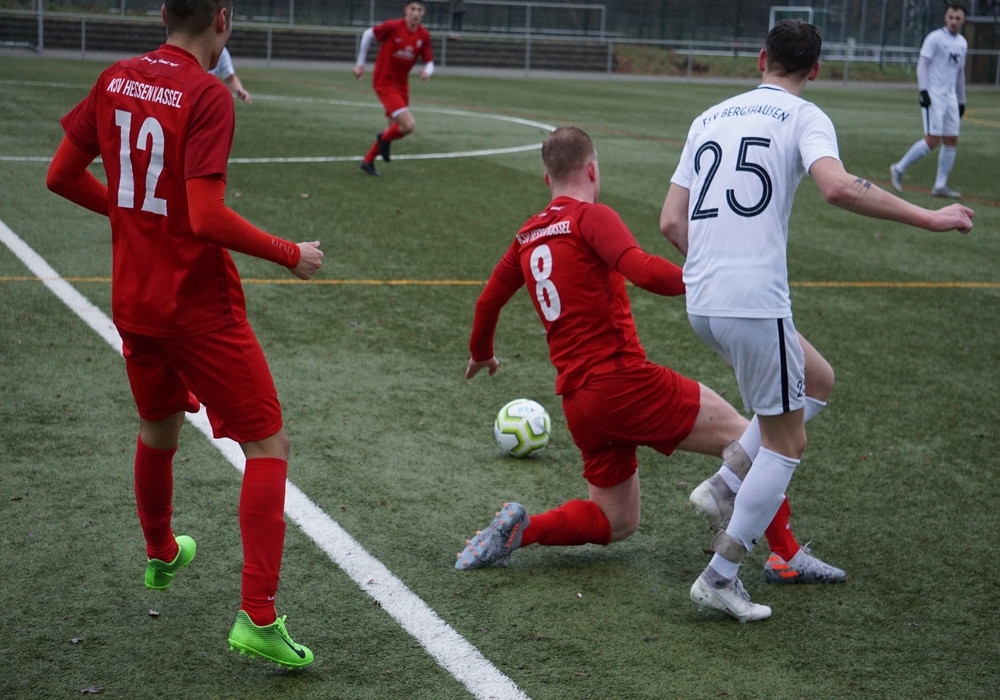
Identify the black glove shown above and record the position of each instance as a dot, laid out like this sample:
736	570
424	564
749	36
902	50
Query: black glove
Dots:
961	111
925	98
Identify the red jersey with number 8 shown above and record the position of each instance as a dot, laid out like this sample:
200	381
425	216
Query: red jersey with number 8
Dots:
158	120
567	256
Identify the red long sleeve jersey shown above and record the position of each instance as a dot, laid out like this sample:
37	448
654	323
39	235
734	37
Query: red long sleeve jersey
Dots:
158	120
398	52
566	255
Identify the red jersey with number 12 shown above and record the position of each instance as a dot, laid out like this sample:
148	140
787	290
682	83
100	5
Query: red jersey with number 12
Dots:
158	120
567	256
398	53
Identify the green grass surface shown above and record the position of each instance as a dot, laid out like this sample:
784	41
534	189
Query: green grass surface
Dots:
899	484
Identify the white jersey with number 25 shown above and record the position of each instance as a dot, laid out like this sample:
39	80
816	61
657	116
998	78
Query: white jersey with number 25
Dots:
742	162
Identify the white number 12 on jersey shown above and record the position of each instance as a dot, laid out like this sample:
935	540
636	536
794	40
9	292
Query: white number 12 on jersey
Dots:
151	138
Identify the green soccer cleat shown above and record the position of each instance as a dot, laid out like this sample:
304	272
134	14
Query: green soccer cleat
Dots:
270	642
159	573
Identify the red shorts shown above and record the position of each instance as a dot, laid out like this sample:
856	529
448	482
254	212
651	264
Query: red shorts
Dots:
394	99
613	413
225	370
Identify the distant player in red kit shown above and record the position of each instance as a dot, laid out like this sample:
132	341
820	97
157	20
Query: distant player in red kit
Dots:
403	41
163	127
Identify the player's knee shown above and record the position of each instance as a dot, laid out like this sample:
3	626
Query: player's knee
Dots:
819	380
276	446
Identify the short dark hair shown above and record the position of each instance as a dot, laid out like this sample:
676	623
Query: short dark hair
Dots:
793	47
566	150
957	6
193	16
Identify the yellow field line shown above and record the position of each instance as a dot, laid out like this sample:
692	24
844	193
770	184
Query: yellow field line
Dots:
479	283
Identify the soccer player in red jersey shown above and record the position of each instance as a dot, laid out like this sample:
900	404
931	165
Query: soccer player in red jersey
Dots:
163	128
403	41
575	258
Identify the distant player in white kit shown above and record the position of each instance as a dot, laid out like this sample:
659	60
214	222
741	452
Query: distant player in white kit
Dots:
742	162
226	72
941	79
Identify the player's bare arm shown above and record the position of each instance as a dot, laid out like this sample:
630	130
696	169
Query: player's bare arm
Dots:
860	196
674	217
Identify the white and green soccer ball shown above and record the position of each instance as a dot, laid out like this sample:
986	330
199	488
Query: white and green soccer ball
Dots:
522	427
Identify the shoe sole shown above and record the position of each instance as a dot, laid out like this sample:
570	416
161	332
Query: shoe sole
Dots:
253	653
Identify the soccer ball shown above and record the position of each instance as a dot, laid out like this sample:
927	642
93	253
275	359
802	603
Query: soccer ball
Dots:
522	427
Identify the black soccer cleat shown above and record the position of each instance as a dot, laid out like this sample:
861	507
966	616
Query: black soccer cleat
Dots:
383	147
370	168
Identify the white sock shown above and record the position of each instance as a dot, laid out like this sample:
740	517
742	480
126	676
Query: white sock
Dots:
916	152
761	494
946	161
750	439
813	406
725	568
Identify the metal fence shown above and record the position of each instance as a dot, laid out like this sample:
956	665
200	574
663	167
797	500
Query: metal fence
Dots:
882	31
892	22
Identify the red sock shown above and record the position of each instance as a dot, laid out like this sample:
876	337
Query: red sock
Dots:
372	152
779	533
154	493
573	523
262	526
392	133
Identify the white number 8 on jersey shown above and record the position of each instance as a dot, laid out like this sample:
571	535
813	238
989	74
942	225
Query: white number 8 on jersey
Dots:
545	290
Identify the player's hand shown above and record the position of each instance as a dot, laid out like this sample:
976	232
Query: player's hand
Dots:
956	217
310	260
925	98
359	71
961	111
424	75
244	95
474	367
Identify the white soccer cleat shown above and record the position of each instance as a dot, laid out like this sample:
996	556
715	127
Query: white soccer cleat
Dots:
946	192
731	598
802	568
713	500
897	178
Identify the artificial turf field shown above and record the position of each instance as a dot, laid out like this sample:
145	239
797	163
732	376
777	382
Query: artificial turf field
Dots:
898	486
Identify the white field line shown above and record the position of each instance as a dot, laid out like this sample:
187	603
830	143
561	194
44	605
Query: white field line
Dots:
339	103
448	648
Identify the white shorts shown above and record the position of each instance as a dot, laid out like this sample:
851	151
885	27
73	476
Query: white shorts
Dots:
766	355
941	118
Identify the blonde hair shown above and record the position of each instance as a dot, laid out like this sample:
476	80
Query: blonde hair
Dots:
566	150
